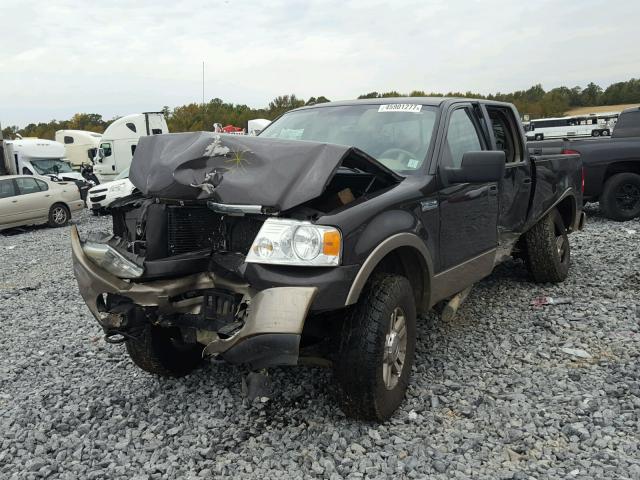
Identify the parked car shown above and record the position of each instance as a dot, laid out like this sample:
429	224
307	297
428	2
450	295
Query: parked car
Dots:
611	166
273	251
103	195
26	200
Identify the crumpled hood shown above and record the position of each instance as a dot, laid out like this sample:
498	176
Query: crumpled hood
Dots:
242	170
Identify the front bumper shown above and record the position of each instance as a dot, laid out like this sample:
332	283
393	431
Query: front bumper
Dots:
271	329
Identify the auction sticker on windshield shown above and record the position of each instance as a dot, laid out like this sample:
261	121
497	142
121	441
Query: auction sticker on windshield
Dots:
400	107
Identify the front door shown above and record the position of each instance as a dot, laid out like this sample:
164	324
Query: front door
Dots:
34	202
468	212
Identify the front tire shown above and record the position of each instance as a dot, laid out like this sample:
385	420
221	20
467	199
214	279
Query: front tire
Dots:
620	199
161	351
377	348
548	253
59	215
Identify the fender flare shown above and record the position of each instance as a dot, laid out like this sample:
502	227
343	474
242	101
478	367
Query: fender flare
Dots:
390	244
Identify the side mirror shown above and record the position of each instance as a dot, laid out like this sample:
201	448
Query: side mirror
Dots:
478	167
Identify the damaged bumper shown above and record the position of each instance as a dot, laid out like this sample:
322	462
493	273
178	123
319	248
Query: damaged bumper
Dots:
268	331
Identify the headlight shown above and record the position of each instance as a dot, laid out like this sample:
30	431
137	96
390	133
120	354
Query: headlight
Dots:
290	242
111	260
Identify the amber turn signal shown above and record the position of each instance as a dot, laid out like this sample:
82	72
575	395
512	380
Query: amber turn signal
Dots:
331	243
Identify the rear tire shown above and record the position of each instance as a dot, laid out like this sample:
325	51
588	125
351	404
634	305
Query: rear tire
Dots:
595	133
59	215
377	347
620	198
605	133
548	253
161	351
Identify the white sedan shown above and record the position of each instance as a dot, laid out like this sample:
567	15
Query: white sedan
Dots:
25	200
102	196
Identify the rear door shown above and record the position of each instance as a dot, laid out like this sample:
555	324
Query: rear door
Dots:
468	211
515	188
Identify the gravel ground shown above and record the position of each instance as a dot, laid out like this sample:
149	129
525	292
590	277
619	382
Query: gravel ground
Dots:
504	391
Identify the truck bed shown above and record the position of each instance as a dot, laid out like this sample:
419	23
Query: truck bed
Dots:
554	175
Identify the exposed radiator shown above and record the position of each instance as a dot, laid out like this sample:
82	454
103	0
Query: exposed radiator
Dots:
192	228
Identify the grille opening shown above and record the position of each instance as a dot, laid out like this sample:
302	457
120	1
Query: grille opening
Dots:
191	228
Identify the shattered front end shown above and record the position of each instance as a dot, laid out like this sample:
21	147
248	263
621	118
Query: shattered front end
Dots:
222	245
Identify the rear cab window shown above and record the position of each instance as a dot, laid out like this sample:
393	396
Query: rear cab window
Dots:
506	133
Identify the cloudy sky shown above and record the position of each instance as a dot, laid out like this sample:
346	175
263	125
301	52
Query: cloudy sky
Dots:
117	57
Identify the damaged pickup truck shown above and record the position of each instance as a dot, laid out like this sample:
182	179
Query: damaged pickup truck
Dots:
321	240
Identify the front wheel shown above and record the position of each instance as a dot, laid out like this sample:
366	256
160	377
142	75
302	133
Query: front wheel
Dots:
377	348
620	199
548	253
161	351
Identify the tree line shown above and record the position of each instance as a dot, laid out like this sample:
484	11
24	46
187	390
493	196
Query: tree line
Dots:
535	102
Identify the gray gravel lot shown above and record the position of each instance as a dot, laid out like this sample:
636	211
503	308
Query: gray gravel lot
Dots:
504	391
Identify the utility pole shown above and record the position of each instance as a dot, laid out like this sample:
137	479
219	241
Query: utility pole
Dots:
203	83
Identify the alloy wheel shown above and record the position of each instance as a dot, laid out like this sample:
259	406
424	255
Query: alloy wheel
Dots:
395	349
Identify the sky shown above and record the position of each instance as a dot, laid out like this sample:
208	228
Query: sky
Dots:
61	57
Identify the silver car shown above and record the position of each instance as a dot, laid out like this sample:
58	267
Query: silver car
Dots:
26	200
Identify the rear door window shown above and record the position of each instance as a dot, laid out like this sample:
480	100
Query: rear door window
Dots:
7	189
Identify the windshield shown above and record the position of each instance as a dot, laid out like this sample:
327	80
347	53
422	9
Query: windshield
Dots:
397	135
46	166
122	174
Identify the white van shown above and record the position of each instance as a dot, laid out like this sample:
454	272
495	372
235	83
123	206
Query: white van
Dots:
120	139
38	157
80	146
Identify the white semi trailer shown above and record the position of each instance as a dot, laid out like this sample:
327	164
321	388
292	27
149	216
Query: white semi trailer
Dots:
80	146
119	141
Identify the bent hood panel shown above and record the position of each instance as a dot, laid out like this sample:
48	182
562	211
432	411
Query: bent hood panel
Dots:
236	169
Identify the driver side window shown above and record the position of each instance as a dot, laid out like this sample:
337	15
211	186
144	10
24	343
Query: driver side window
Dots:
106	148
462	137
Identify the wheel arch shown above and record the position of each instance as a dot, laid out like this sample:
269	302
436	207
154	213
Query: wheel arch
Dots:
404	254
623	166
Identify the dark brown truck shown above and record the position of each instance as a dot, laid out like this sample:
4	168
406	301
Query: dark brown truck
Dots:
322	240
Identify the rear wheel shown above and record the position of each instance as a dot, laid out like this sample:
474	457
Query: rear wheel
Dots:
376	351
161	351
595	133
620	199
605	133
548	253
59	215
